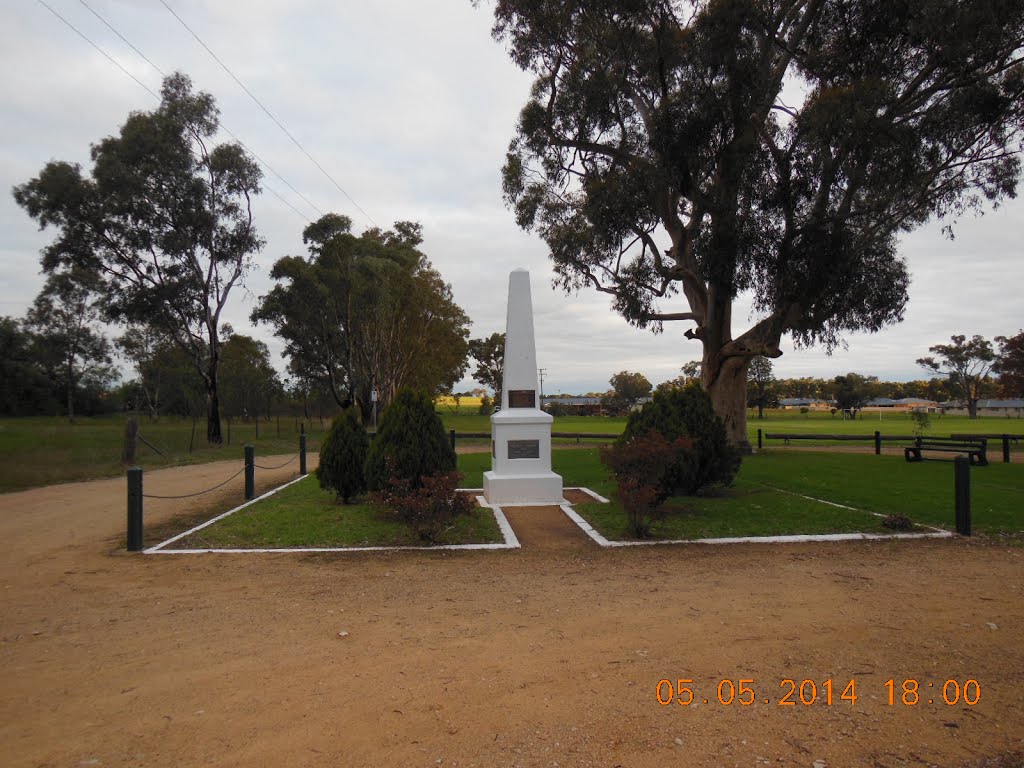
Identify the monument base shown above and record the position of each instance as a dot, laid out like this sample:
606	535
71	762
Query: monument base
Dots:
538	488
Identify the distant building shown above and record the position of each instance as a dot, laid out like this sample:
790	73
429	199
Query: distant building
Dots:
1013	408
810	403
904	404
576	406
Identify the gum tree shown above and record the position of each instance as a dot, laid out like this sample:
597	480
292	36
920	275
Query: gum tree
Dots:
163	221
677	154
367	312
1010	364
966	365
489	354
68	341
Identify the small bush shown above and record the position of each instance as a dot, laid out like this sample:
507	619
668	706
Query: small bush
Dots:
486	406
431	506
639	466
410	444
687	412
922	421
556	409
342	456
898	523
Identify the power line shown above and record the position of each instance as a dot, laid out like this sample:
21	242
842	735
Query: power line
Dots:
222	126
268	113
82	35
123	38
74	29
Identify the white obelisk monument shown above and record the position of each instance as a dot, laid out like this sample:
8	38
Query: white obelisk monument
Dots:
521	431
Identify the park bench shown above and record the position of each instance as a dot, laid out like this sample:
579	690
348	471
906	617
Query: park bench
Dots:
973	448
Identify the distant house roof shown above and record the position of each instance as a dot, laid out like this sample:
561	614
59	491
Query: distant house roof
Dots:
1011	403
799	401
876	401
913	400
572	400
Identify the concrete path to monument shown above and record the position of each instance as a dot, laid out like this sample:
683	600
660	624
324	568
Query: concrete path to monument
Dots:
531	657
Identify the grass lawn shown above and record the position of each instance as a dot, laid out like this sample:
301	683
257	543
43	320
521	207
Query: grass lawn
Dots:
767	499
304	515
889	485
42	451
763	500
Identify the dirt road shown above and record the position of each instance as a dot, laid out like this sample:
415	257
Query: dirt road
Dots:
548	656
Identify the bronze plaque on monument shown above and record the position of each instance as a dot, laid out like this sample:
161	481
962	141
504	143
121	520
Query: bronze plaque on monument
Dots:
524	449
522	398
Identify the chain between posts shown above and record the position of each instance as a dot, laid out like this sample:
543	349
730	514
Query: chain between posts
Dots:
197	493
136	495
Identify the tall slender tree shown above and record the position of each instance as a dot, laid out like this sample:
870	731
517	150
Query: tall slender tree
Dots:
697	150
489	353
760	384
163	220
69	343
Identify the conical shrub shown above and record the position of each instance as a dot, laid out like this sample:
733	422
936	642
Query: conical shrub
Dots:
410	444
343	457
687	412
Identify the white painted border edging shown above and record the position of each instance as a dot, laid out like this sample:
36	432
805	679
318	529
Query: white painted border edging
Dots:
599	539
511	541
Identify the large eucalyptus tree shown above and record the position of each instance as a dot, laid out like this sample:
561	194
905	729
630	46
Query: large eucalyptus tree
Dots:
163	222
685	152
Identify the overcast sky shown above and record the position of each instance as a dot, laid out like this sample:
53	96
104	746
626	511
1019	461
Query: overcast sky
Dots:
409	106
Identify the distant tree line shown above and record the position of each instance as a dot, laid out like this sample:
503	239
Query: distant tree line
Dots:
966	370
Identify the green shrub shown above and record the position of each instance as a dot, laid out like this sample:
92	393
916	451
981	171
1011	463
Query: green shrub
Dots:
486	406
343	456
687	412
639	466
431	506
922	421
410	444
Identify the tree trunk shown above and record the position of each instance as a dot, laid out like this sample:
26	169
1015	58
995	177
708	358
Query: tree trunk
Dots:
760	410
213	434
726	385
972	409
71	393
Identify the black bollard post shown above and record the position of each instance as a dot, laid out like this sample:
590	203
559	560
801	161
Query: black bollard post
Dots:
1006	449
250	472
878	443
962	490
135	509
759	438
302	454
451	436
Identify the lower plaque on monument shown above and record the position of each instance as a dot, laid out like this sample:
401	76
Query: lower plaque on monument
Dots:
524	449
